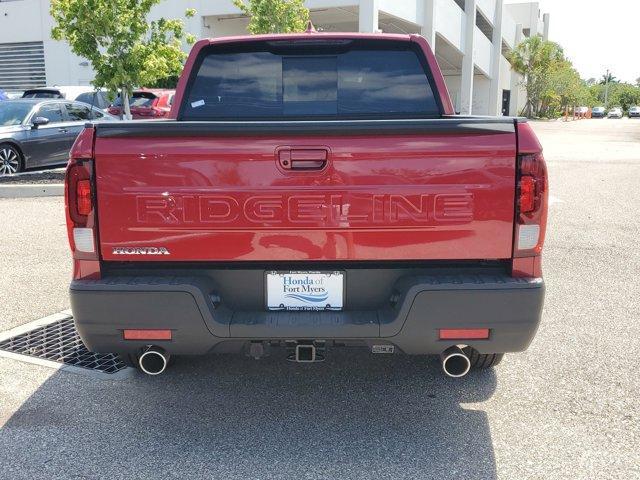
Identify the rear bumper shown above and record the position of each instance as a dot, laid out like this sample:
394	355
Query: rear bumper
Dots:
201	323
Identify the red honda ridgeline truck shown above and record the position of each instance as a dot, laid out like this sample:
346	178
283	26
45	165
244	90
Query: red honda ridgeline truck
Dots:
308	191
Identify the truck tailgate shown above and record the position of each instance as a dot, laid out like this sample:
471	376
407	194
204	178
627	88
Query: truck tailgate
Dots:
198	191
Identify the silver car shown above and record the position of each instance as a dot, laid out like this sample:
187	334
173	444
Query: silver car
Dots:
36	132
615	112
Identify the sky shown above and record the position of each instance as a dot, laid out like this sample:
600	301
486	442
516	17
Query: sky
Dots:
596	35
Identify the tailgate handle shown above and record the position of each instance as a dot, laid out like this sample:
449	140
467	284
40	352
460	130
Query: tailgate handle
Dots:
302	158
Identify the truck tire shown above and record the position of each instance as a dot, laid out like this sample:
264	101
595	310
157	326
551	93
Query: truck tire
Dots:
481	361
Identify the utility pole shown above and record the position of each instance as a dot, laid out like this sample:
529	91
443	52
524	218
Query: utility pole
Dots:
606	90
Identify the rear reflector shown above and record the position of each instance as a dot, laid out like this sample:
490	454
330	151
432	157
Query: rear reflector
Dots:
147	334
83	240
464	334
528	236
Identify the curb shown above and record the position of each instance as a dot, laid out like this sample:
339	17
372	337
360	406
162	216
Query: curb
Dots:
28	190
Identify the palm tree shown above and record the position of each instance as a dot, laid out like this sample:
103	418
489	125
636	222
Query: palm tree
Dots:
534	58
608	78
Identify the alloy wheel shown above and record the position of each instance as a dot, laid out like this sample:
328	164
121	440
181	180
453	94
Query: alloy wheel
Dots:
9	161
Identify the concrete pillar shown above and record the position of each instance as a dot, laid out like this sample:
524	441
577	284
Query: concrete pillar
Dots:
368	16
428	20
545	19
534	19
514	107
466	87
495	92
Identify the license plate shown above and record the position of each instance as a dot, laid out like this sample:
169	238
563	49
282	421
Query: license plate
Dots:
305	290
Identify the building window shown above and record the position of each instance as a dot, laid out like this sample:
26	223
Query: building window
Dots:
484	25
505	49
22	66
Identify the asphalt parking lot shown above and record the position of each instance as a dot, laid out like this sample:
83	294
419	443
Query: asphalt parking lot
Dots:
566	408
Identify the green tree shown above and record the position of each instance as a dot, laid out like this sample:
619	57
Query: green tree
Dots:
167	82
535	59
124	49
624	95
564	88
274	16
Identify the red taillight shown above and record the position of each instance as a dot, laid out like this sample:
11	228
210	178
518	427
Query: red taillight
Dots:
84	202
78	181
79	203
78	186
527	194
531	204
464	334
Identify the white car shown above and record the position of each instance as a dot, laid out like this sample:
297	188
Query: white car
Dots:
14	94
634	112
615	112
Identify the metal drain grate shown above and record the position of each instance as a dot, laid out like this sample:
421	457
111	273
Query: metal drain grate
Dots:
59	341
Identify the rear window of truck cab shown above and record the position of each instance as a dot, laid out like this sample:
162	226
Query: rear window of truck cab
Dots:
320	79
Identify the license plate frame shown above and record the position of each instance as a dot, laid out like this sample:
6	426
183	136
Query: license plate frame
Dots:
328	288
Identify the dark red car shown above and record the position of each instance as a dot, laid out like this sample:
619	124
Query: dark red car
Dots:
309	191
146	104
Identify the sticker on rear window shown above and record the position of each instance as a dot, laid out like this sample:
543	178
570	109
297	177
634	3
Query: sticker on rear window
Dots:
196	104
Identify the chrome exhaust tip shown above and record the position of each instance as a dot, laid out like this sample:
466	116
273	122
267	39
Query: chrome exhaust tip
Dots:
153	361
455	363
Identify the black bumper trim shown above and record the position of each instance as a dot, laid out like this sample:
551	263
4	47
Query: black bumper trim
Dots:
419	306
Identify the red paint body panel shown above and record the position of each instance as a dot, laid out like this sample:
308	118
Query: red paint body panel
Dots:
528	143
389	197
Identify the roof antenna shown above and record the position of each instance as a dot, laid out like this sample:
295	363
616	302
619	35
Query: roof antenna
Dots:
310	28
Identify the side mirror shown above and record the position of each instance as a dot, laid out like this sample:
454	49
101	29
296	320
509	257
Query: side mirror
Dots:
38	121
